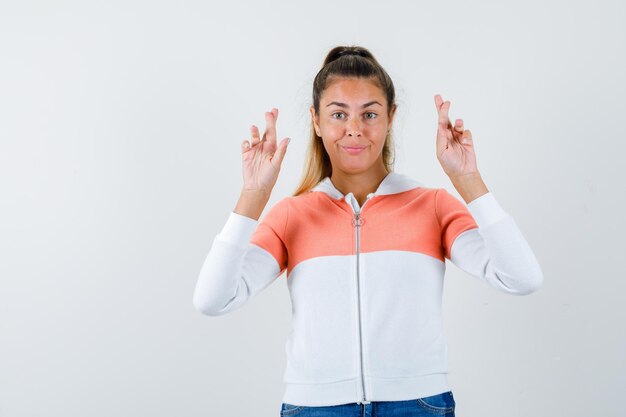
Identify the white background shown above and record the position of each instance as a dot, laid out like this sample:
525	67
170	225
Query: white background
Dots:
120	132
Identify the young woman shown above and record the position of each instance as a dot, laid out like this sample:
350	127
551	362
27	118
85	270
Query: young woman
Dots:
364	249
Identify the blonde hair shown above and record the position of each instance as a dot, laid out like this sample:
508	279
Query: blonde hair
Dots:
343	61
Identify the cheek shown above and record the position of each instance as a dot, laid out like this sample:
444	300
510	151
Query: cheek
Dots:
331	130
376	134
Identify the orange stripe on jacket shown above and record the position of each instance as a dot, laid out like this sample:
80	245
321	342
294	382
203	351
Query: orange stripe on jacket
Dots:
422	220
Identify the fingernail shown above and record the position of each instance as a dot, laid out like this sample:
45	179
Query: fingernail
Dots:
288	140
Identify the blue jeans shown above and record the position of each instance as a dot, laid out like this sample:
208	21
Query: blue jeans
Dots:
436	405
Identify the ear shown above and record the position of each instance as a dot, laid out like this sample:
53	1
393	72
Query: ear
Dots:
392	114
315	121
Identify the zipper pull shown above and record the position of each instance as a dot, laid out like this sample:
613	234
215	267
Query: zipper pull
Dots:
357	220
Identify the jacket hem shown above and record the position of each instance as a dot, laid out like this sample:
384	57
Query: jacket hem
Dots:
377	389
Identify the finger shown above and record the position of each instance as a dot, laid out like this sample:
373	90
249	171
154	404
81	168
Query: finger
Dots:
270	126
450	135
280	153
457	130
254	131
458	125
444	121
445	107
438	101
467	138
245	146
442	138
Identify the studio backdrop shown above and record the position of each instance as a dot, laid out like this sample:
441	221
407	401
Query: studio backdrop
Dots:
120	160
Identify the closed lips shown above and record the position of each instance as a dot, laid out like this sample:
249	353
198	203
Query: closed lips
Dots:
353	150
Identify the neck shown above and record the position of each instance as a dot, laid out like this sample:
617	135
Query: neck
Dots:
360	184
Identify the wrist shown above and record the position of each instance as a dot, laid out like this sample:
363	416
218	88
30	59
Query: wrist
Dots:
469	186
257	193
252	203
472	176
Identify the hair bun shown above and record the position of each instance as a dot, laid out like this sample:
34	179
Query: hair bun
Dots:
341	51
346	52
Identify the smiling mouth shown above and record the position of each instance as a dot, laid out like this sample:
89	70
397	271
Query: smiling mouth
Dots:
353	150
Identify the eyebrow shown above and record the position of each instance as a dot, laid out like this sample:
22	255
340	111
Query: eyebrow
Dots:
336	103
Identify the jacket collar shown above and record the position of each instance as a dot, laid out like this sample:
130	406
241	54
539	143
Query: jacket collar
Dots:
393	183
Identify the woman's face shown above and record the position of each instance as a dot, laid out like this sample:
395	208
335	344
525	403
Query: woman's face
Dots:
353	122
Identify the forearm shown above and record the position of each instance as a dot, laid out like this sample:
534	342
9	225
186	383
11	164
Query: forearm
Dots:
252	203
497	251
217	289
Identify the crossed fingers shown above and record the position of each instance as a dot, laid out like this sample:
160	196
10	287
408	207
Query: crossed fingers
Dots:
270	130
458	128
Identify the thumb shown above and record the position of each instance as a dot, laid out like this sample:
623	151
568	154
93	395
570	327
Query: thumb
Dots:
280	153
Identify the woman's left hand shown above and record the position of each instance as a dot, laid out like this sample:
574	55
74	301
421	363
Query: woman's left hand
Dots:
455	148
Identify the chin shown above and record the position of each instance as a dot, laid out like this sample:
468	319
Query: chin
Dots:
354	168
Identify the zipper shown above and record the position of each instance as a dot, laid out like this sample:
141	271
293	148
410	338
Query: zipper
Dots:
357	222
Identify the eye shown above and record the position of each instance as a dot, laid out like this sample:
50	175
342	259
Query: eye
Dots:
333	115
372	113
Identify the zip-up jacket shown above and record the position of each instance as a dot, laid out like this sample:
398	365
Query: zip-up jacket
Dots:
365	282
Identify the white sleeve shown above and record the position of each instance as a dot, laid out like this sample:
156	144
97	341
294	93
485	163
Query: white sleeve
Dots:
496	252
235	270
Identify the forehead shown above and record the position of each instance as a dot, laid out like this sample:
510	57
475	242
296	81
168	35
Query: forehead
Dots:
352	90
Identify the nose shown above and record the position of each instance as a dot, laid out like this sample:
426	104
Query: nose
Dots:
354	129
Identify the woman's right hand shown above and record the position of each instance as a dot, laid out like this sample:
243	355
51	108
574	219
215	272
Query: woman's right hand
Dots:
261	156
